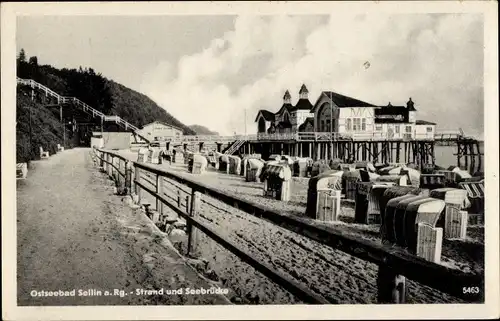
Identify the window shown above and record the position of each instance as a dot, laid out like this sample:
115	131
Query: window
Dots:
328	125
408	129
349	123
397	129
429	129
322	128
363	124
378	127
357	124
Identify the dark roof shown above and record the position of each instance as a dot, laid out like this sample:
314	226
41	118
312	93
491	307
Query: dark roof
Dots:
303	104
307	121
424	122
268	116
287	106
344	101
390	110
303	89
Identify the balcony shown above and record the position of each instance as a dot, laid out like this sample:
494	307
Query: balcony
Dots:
327	136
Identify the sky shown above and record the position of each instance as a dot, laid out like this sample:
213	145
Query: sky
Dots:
218	71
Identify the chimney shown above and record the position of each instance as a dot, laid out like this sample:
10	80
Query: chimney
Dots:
287	98
410	104
303	93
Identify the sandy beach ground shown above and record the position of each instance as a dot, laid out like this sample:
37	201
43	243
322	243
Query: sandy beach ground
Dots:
336	275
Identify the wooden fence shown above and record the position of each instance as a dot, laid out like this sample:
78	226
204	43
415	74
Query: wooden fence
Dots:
395	265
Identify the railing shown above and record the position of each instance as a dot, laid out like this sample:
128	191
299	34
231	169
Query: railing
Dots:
86	108
234	147
327	136
122	170
392	262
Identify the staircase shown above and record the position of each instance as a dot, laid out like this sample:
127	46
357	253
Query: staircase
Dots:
234	146
61	100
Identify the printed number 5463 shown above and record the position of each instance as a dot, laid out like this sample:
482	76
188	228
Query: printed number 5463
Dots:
470	289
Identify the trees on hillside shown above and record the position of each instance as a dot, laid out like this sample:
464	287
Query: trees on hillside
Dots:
84	84
97	91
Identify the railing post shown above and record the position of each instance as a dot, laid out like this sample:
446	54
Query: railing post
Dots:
101	159
192	231
159	191
391	287
137	188
178	198
105	156
110	173
119	177
128	176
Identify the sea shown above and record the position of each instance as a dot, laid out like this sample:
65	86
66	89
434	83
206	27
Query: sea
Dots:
444	156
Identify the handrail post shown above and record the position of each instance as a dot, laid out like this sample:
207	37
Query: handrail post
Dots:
192	231
391	287
137	188
111	168
106	165
128	176
159	191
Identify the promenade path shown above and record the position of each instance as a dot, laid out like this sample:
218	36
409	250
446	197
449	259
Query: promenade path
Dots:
74	234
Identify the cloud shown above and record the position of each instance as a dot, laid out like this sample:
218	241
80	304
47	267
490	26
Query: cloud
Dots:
435	59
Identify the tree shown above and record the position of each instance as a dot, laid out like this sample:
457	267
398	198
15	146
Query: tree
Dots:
33	61
22	56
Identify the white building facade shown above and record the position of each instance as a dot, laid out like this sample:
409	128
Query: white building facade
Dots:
346	116
159	131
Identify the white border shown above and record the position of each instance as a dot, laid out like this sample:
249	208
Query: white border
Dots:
451	311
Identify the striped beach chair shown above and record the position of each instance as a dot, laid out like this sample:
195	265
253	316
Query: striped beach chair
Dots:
367	201
475	192
432	181
277	180
253	170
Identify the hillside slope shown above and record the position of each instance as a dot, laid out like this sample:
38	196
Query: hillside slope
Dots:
99	92
202	130
44	130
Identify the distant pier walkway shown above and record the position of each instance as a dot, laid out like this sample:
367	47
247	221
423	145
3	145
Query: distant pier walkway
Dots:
74	234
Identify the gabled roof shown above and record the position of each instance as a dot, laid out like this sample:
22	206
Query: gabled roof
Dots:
345	101
303	104
268	116
286	106
424	122
309	120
